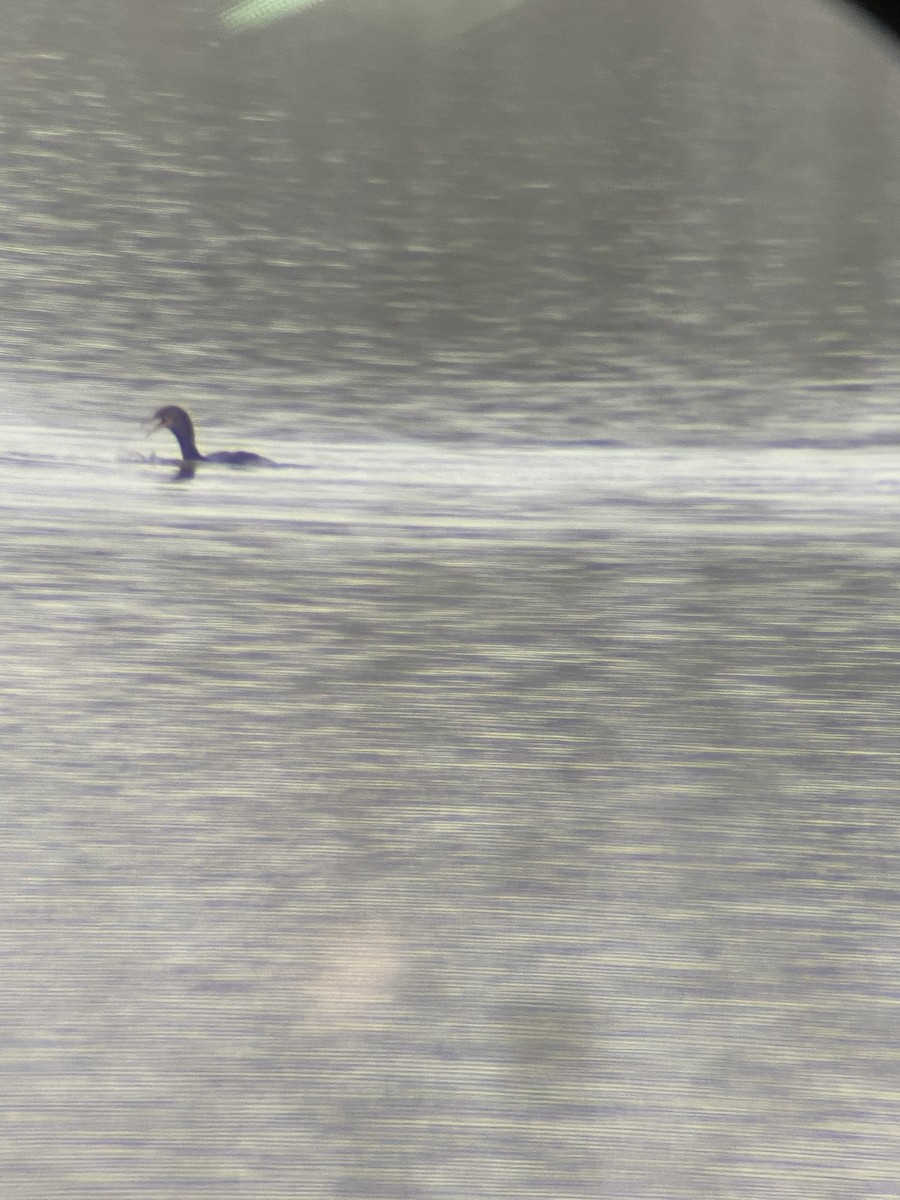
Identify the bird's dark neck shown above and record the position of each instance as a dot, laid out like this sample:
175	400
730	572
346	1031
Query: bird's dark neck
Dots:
189	451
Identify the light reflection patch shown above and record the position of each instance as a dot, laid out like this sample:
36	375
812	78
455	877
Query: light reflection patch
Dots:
444	18
260	12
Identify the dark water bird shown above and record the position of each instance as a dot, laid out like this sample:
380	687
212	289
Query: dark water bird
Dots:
175	418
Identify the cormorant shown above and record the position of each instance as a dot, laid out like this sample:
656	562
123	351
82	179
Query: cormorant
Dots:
175	418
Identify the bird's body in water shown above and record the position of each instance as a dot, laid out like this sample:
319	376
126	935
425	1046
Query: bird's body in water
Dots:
177	420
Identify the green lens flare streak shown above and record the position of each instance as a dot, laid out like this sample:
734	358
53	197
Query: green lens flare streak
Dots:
442	19
261	12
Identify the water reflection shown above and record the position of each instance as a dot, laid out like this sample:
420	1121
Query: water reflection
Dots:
499	798
567	192
521	816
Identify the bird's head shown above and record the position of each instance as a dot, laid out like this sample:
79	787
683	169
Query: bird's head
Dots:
169	417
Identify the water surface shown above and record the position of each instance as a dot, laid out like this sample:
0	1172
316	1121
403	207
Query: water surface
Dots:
499	797
440	820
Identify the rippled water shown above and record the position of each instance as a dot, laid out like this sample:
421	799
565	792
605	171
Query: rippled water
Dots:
498	798
434	820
